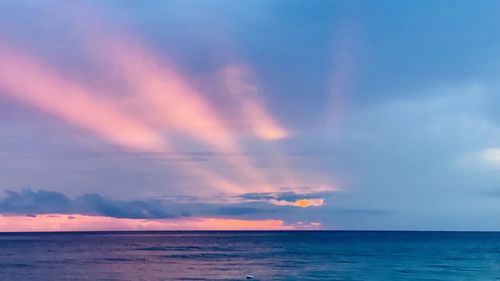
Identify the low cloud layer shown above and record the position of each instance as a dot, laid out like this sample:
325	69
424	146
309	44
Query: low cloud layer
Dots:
29	202
46	202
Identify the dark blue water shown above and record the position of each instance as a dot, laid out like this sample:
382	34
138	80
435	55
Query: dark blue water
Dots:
266	255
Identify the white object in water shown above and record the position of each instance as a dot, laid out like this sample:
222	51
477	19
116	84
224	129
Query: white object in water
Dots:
250	277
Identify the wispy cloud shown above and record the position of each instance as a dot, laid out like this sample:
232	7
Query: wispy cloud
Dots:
29	80
346	46
168	100
238	79
153	107
491	157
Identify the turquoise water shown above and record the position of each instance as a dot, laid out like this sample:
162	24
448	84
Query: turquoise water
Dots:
265	255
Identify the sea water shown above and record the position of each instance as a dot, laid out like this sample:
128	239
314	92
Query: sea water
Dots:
313	255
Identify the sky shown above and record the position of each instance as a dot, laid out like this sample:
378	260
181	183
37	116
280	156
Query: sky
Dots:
278	114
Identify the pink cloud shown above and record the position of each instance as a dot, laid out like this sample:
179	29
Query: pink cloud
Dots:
245	92
167	99
161	103
28	80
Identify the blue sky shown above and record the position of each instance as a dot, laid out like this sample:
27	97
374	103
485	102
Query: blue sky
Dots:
329	114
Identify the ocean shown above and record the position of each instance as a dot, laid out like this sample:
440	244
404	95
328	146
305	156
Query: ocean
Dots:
266	255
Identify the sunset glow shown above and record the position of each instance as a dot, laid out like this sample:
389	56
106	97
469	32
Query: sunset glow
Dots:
58	222
199	114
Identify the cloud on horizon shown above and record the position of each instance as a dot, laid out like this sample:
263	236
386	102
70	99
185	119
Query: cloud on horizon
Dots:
47	202
29	202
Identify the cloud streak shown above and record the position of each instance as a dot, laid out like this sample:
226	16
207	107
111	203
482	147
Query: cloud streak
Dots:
153	107
238	82
168	100
28	80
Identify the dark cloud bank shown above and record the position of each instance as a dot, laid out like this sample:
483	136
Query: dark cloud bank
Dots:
31	202
248	206
44	202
